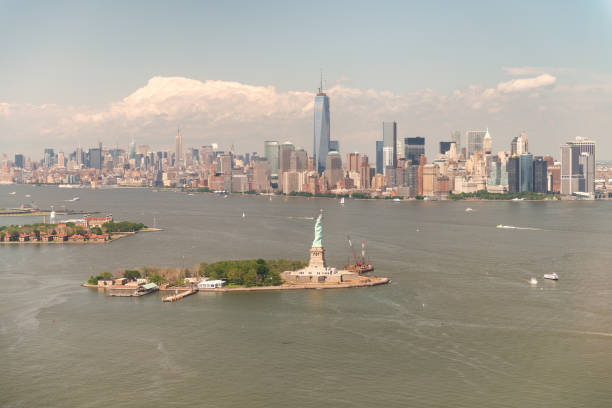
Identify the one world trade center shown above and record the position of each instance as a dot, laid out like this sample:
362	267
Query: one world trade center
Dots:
321	130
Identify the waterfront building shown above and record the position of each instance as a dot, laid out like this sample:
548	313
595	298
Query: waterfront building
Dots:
475	140
430	173
578	166
292	181
526	172
412	171
207	155
522	145
299	160
352	161
95	158
513	146
178	146
225	163
422	162
333	169
272	152
285	151
239	182
415	147
553	174
445	147
399	150
513	169
540	179
364	172
390	176
261	175
587	170
498	175
61	160
379	156
48	158
456	138
334	145
487	143
19	161
132	149
389	144
321	130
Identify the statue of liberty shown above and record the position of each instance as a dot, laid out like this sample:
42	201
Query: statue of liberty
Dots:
318	239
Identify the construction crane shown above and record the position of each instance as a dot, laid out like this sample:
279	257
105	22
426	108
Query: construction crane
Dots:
357	263
363	252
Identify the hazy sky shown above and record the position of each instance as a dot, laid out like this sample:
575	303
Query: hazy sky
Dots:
245	72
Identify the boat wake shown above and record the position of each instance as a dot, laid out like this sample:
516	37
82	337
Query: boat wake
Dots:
518	228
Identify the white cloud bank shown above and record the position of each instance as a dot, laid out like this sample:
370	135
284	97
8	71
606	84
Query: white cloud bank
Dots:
231	112
526	84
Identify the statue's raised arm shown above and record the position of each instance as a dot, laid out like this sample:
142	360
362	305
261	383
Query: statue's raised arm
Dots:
318	239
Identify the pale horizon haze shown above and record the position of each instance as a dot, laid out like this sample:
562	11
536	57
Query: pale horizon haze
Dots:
75	73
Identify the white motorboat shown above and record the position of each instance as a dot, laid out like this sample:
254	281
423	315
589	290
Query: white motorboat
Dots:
533	281
397	200
551	276
342	201
13	193
468	209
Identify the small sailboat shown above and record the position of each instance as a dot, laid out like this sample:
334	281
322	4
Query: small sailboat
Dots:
551	276
533	281
243	215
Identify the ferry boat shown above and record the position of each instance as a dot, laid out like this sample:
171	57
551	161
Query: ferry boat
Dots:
551	276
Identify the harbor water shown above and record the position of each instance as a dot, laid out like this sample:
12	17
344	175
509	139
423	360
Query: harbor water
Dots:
459	325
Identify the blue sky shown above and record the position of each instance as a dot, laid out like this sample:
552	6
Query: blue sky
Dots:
85	56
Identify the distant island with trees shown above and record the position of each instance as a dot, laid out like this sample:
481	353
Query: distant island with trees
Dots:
69	232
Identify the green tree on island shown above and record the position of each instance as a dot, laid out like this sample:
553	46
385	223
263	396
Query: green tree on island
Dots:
131	274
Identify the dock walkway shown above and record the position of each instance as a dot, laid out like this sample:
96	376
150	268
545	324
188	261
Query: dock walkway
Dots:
178	296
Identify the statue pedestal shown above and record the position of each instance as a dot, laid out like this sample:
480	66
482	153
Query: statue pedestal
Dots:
317	258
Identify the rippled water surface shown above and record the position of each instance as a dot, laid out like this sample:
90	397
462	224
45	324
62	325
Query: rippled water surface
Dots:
458	326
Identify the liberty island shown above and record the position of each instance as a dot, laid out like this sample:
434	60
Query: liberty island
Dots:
315	275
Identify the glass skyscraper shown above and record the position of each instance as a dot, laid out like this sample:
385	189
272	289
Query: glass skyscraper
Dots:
475	140
415	147
389	144
272	153
379	156
526	173
321	131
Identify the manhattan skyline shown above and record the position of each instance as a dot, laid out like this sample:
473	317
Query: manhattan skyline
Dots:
543	69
